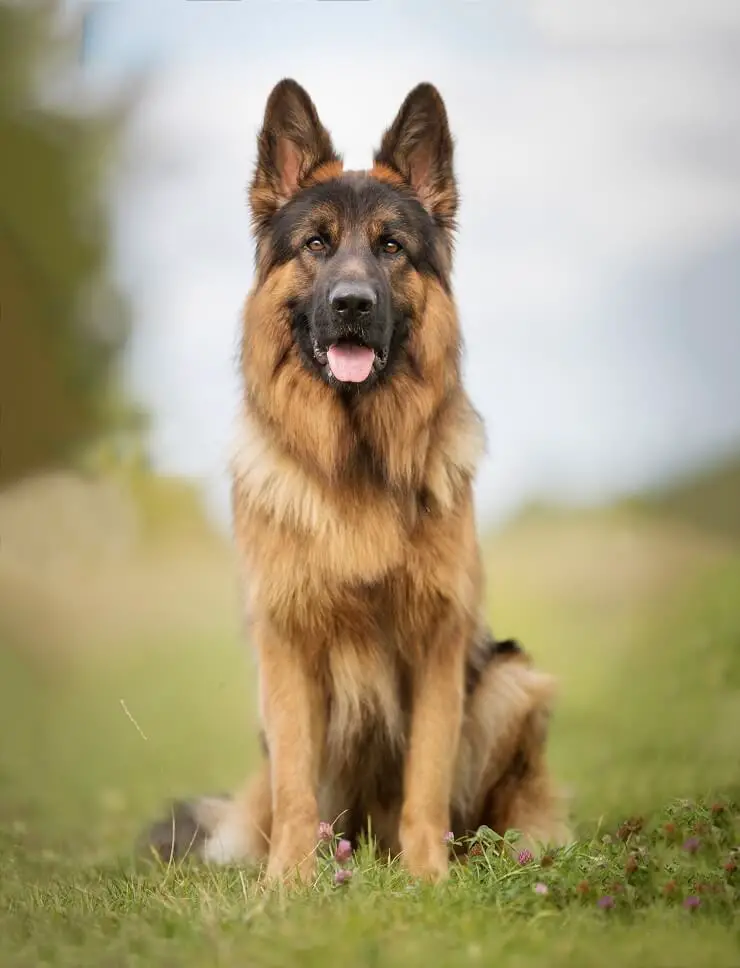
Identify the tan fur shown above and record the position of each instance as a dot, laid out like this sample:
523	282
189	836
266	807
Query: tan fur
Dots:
354	583
386	173
363	586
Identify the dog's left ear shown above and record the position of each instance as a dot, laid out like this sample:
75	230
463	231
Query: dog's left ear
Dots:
291	145
418	145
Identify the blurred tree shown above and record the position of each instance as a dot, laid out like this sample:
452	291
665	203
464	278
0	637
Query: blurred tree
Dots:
63	324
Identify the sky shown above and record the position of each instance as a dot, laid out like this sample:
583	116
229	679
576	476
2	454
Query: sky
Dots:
598	260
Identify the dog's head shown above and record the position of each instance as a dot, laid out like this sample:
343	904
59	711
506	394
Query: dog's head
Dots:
355	250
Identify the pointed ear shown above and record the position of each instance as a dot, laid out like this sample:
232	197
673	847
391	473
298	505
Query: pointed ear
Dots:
291	144
418	145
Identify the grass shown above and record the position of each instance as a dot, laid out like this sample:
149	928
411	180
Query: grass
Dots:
664	894
124	683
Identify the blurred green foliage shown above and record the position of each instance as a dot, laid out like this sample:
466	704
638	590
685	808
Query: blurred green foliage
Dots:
64	323
708	499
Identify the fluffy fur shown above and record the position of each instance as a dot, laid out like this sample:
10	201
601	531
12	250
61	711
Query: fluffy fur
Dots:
382	694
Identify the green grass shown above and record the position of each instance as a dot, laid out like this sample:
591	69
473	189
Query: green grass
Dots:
493	907
122	686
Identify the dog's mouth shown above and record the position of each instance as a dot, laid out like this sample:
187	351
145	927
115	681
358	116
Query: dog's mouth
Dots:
349	360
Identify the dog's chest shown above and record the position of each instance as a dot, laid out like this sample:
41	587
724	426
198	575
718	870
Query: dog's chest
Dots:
324	559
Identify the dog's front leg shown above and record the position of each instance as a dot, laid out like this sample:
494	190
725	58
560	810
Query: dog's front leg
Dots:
293	721
436	721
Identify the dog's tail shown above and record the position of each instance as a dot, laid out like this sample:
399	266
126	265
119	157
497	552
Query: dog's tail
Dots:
219	829
184	829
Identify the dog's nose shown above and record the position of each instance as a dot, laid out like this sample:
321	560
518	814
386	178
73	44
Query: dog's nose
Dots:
353	301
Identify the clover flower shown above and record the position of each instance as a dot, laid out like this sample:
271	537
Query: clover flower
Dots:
343	852
326	832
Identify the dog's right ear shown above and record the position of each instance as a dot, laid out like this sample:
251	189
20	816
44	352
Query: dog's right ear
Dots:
291	145
418	145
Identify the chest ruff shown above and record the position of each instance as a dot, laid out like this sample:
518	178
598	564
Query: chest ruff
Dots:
356	575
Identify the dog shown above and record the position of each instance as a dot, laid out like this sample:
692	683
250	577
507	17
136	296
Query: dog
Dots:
385	701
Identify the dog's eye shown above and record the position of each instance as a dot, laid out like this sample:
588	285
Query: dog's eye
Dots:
391	247
316	244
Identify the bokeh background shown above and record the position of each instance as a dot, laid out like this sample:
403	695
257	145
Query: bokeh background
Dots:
598	278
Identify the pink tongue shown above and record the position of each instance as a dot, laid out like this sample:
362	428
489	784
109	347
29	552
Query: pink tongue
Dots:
350	364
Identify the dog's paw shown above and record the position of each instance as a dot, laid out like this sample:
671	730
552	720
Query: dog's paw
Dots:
424	850
292	858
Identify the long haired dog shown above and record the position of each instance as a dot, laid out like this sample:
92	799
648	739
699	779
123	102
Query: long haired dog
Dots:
383	697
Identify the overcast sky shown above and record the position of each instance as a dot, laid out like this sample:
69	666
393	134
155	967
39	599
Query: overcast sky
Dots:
598	265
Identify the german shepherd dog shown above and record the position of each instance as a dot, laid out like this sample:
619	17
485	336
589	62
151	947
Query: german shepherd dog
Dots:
385	701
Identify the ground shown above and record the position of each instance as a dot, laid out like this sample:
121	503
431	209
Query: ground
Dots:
124	682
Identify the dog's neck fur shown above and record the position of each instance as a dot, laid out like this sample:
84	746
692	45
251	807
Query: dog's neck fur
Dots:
416	434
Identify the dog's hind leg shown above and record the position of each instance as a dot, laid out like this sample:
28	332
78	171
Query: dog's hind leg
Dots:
503	764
